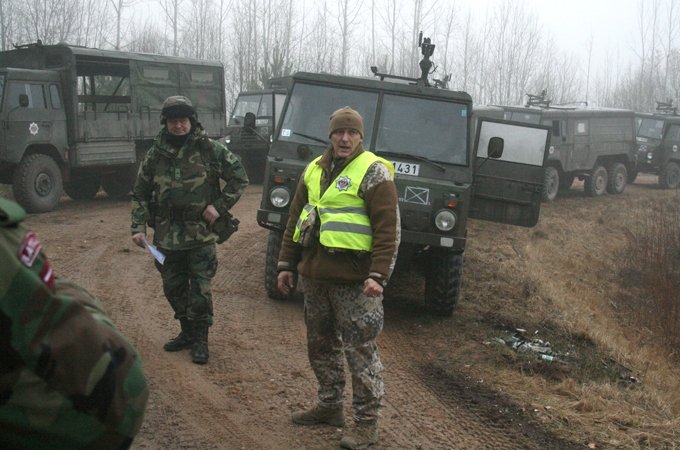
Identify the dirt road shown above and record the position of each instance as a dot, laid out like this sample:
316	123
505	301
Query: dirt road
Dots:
447	386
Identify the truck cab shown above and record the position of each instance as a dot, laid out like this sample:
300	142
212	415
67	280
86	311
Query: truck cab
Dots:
443	178
658	140
251	127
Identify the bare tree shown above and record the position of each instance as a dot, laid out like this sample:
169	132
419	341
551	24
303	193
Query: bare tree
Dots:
348	11
118	7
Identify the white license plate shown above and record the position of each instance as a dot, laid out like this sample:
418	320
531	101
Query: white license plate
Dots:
406	168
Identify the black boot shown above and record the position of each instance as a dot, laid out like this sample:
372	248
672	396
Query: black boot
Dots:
199	349
183	340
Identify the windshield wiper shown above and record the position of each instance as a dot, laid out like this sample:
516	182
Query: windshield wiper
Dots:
311	137
408	155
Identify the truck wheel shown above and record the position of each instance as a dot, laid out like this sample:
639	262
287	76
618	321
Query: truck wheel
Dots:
270	274
617	176
37	183
82	187
443	280
551	184
669	178
596	184
117	185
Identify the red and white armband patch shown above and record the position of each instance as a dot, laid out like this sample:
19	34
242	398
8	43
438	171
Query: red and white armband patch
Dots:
28	253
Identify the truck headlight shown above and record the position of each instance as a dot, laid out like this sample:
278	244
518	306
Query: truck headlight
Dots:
227	139
279	197
650	155
445	220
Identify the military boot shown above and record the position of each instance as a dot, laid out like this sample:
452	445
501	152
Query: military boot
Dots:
183	340
199	349
360	435
320	414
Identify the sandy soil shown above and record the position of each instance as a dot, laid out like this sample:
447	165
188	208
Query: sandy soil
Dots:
448	385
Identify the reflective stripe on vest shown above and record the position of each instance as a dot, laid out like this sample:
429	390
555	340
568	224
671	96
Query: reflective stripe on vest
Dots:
344	221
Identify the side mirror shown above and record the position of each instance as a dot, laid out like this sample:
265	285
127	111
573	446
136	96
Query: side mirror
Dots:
249	121
23	100
495	148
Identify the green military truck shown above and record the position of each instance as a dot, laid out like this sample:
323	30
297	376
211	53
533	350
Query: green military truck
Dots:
658	139
80	118
596	145
251	126
442	178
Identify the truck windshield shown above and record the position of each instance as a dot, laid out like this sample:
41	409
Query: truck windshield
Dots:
650	128
310	107
433	129
258	104
2	89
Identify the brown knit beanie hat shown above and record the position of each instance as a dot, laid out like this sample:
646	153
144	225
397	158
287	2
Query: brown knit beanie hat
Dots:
346	118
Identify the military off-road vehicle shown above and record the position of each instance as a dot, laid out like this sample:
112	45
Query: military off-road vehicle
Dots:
82	118
442	178
251	126
596	145
658	138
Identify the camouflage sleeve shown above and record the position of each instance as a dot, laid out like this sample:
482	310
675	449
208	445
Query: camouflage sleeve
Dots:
380	193
234	176
68	378
142	193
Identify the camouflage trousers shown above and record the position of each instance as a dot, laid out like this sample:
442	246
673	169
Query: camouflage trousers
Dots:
186	278
344	323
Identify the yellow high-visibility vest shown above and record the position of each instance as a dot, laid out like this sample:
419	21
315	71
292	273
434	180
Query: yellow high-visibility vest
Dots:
342	215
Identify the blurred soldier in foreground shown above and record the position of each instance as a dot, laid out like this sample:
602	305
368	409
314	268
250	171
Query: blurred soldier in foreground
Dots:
342	237
178	194
68	378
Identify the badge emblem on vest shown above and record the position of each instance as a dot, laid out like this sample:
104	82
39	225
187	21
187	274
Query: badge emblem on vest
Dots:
343	183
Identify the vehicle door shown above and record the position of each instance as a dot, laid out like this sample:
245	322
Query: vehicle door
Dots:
508	185
27	123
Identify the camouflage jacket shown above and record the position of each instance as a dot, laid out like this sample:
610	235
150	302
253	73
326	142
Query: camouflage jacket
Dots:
68	378
174	186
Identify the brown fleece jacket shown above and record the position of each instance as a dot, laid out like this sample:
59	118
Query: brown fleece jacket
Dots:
341	266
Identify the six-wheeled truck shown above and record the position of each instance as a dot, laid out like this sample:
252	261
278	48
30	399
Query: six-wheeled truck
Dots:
442	178
251	126
80	118
658	139
596	145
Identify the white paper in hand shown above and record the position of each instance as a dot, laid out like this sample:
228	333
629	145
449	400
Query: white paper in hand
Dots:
157	254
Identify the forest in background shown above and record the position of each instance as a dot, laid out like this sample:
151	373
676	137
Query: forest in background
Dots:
497	58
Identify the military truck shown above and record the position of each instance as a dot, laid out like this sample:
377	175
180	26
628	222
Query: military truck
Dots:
442	179
82	118
596	145
251	126
658	139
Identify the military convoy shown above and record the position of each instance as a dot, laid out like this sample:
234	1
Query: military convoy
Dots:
596	145
81	118
442	178
251	125
658	139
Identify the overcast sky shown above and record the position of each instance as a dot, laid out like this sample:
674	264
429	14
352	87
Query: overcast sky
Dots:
611	23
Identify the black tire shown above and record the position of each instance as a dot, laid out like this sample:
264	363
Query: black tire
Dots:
37	183
596	184
270	273
117	185
566	180
669	177
82	186
443	280
551	184
617	178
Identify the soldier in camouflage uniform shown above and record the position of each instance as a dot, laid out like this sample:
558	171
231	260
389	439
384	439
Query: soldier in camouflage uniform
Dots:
68	378
177	193
342	238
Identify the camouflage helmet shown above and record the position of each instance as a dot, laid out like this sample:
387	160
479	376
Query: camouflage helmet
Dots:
178	106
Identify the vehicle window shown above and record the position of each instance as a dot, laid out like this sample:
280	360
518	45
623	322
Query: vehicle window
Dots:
279	100
310	107
202	77
54	97
673	133
581	127
525	117
36	96
245	104
433	129
555	125
650	128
